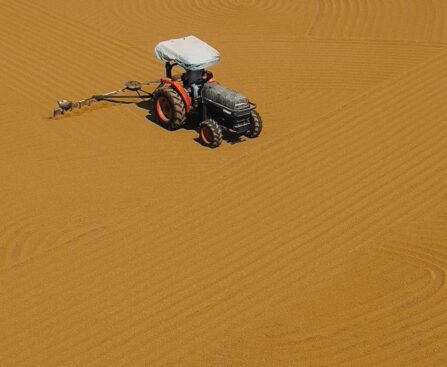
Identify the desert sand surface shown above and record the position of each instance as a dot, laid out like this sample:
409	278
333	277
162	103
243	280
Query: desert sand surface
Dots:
322	243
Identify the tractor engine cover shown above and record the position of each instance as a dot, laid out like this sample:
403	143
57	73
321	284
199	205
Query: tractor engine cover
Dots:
215	93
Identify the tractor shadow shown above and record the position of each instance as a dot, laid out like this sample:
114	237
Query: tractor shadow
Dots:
192	124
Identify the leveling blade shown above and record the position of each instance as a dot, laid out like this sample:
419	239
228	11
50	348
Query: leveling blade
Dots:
133	86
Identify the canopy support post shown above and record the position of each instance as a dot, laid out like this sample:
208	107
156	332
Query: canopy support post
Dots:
169	68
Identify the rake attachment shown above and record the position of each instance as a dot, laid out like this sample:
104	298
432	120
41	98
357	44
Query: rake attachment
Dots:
115	96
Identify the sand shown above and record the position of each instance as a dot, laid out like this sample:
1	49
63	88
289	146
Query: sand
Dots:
322	243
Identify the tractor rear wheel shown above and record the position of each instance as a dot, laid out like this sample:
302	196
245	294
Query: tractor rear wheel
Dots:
256	125
210	133
169	108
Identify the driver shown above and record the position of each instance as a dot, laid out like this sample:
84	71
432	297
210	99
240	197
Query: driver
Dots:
192	79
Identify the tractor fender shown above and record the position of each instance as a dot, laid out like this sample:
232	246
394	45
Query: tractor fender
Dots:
180	90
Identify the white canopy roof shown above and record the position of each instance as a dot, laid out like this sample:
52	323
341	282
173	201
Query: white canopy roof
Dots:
189	52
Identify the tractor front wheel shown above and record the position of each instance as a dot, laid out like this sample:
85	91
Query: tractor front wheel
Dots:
210	133
255	125
169	108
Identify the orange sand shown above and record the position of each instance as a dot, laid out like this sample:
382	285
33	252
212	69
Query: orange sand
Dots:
322	243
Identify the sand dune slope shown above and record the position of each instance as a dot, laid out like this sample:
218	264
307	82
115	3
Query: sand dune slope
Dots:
322	243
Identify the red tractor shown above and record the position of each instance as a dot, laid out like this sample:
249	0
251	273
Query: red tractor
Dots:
196	92
192	93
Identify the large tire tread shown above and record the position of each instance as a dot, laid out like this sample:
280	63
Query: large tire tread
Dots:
178	118
256	125
215	133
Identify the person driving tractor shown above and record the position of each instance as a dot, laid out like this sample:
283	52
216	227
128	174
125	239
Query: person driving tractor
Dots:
194	79
191	79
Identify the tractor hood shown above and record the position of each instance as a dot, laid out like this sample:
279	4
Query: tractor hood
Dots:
189	52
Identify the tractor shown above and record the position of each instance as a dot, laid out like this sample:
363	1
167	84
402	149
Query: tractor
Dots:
193	93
